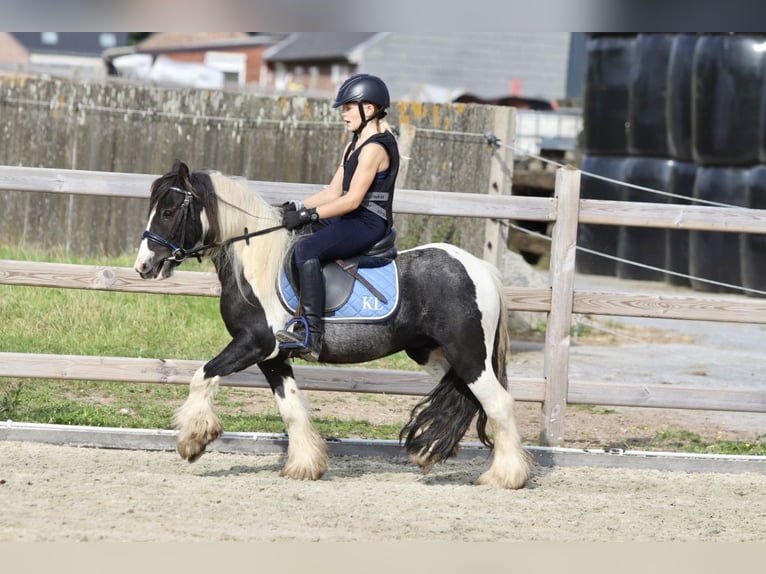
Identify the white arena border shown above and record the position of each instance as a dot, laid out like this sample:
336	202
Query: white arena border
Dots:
270	443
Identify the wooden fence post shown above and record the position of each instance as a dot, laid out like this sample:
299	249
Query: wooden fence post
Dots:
404	142
500	176
557	338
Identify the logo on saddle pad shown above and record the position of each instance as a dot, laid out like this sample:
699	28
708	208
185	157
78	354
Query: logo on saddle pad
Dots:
348	298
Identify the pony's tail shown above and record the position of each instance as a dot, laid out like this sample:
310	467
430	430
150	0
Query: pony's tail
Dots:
440	420
500	349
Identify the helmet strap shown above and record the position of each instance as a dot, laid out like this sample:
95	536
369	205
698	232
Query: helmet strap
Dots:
365	120
379	113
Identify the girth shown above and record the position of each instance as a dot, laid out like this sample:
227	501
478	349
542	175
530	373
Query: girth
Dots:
340	275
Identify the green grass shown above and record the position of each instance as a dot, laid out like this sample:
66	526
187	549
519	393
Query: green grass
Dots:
687	441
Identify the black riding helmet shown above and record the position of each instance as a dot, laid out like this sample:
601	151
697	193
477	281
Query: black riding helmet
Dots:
362	88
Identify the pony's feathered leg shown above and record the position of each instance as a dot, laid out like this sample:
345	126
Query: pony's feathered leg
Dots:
511	463
306	451
195	420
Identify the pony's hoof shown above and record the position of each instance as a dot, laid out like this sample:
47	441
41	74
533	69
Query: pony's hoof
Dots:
306	469
190	451
191	444
513	480
494	481
302	473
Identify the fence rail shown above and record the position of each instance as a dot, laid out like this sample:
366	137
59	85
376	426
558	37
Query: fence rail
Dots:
554	389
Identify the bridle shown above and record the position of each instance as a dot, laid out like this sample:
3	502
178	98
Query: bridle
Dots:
177	252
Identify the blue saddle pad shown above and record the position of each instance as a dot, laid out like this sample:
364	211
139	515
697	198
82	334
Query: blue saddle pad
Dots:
362	306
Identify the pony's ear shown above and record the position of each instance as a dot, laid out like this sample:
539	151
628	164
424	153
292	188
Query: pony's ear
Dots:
181	169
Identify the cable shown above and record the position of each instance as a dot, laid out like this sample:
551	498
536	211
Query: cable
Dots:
642	265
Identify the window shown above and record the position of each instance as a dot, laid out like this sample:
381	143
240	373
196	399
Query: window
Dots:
49	38
338	73
107	40
233	65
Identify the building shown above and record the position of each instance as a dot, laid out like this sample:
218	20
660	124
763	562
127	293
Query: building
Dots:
236	56
432	66
70	54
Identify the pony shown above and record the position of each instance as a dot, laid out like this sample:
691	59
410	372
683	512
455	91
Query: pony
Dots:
451	320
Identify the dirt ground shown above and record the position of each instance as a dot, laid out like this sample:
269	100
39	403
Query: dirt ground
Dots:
57	493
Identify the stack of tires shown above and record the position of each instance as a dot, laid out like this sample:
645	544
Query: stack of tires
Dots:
606	100
684	114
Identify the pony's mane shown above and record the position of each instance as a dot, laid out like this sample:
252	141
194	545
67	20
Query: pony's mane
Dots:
261	260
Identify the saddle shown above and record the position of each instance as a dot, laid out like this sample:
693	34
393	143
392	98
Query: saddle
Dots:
342	275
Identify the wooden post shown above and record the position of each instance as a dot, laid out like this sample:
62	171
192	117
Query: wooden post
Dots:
562	269
404	142
500	176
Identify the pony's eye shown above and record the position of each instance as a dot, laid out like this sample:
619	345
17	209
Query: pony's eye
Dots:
167	213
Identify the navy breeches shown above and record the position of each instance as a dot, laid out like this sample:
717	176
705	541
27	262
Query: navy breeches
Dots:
341	237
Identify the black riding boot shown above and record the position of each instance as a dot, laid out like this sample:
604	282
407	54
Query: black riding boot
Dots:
312	304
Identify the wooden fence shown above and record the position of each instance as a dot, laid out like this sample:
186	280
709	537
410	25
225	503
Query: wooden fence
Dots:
554	390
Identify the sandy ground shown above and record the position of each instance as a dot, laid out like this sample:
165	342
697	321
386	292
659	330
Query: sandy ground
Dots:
56	493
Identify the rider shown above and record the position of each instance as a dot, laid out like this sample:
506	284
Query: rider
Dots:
353	212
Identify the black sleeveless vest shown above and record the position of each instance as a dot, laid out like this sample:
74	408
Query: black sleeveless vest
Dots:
380	197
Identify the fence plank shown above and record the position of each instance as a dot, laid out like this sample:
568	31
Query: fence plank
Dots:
732	309
180	372
374	381
405	200
427	202
38	274
667	396
672	216
74	181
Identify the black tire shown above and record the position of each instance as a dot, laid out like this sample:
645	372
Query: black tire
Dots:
647	132
606	94
600	238
753	245
714	255
726	100
644	245
679	100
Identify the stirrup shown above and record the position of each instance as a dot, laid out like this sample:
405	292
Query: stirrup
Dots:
289	340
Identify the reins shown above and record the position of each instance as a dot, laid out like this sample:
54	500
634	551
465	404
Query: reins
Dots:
178	253
199	251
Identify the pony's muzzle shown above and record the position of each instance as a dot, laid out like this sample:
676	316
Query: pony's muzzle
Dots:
148	267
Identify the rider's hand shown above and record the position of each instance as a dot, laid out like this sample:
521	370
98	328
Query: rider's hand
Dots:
292	205
293	219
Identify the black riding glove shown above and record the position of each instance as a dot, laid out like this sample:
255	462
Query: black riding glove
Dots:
293	219
291	205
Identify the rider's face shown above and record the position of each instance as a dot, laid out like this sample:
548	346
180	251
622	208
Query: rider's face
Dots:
350	114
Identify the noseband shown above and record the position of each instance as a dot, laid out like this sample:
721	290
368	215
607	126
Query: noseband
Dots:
178	253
